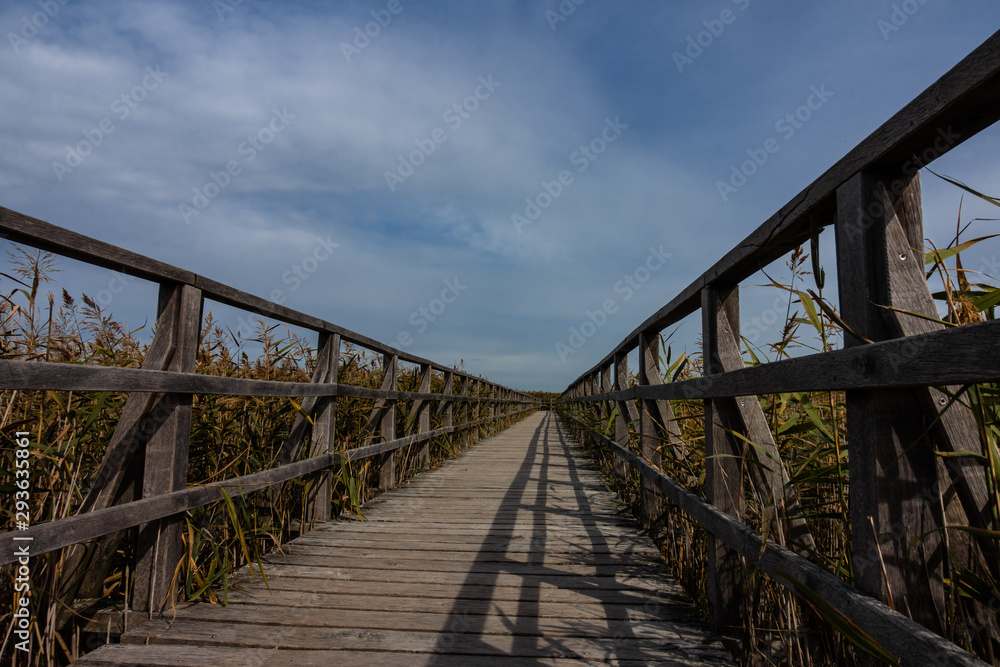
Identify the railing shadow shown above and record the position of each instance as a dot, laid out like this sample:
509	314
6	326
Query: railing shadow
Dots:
467	622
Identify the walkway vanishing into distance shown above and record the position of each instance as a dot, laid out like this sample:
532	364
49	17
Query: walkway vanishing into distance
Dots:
514	553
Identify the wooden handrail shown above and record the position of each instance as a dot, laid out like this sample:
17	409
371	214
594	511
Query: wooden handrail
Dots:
872	199
157	418
960	104
894	631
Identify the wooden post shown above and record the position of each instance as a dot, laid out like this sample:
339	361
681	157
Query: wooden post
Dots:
119	478
606	406
465	437
447	405
422	410
624	415
655	421
895	507
723	464
477	391
324	427
387	476
159	546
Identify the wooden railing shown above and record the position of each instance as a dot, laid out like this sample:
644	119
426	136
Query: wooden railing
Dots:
872	199
158	414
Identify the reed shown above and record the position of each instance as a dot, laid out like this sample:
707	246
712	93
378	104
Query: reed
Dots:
231	436
810	431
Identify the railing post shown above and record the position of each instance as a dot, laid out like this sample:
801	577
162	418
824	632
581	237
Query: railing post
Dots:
422	409
465	439
655	420
623	414
387	476
723	464
446	407
159	547
324	426
605	380
895	505
476	431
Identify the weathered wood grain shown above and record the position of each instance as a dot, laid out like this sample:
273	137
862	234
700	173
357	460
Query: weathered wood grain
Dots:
909	641
530	581
159	545
949	356
91	525
898	553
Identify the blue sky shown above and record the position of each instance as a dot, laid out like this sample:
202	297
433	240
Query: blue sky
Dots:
251	141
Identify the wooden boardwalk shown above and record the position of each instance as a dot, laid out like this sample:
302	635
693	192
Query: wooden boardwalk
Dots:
512	554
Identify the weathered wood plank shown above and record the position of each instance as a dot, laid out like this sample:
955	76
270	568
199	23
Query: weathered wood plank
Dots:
528	581
947	357
131	655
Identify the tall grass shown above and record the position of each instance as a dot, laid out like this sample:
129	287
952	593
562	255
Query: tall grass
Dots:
231	436
810	431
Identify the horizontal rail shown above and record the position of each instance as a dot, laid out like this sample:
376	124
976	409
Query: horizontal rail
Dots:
21	228
897	633
947	357
960	104
53	535
50	376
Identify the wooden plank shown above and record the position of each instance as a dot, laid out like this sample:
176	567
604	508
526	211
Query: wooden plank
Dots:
651	649
544	587
459	593
906	639
582	608
131	655
956	107
647	627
